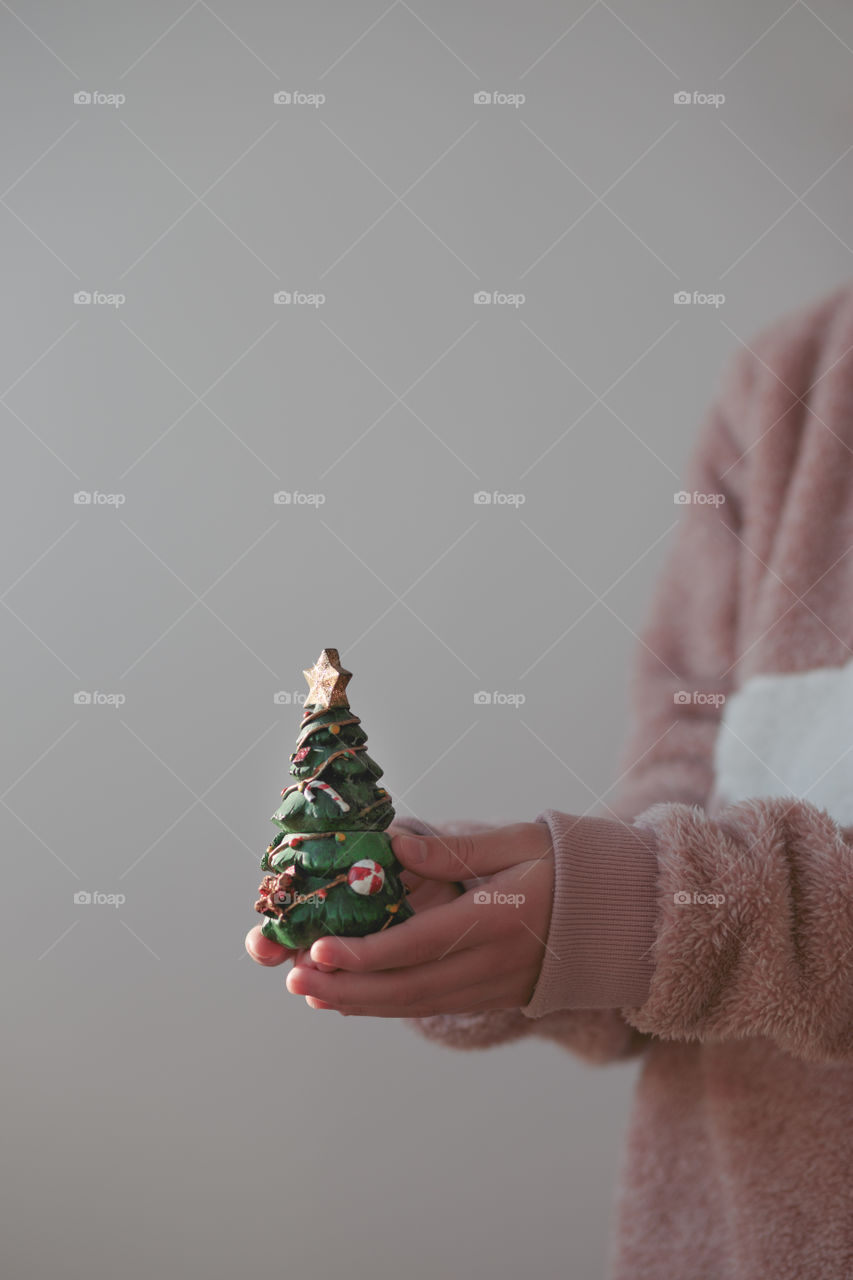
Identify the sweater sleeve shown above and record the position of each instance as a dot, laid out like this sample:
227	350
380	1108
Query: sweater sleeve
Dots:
754	928
751	934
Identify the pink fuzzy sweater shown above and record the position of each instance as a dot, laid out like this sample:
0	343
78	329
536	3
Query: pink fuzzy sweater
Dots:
705	921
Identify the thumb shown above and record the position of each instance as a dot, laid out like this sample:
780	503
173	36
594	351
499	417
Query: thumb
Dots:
482	853
264	951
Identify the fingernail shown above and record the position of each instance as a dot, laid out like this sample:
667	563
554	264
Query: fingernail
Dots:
410	849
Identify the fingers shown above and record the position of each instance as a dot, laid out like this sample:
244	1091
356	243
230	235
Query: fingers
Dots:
427	894
425	936
405	827
480	854
406	989
476	999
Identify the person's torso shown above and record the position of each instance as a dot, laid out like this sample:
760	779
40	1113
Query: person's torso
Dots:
787	725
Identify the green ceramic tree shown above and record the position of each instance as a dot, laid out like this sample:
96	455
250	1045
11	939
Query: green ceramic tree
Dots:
331	869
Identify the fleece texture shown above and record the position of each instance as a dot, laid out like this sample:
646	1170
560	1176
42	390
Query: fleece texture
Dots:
705	921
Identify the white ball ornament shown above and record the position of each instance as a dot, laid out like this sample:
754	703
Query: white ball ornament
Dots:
366	877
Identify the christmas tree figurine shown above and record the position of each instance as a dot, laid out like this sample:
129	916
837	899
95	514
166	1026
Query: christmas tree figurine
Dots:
331	869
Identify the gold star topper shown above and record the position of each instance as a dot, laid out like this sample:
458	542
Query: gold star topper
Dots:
327	681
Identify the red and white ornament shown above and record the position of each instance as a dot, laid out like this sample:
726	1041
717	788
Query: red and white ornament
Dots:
308	788
366	877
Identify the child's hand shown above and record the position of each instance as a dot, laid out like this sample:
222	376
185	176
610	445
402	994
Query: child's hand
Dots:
460	952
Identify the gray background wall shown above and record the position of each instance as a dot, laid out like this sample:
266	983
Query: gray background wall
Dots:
169	1109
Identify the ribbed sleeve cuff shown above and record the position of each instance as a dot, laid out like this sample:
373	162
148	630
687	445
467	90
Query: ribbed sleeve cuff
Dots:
602	930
